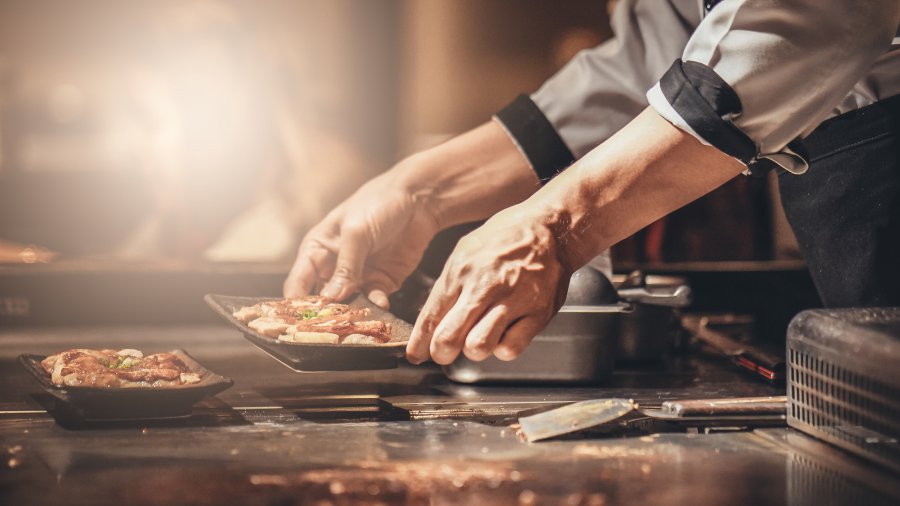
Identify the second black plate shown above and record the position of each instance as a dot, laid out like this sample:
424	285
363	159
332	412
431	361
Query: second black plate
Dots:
141	403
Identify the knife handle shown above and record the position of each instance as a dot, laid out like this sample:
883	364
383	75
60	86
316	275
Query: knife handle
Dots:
765	365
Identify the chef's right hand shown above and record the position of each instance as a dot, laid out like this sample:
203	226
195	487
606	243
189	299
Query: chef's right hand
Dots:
369	243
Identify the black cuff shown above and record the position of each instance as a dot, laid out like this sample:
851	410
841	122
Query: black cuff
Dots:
707	103
537	138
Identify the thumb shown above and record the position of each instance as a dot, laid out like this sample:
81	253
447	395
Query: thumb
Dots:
348	270
378	285
379	297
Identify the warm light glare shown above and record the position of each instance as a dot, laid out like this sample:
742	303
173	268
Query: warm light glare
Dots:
186	129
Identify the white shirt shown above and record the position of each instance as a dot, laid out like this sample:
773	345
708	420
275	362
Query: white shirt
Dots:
792	64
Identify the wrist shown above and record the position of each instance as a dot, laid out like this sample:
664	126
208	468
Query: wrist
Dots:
566	211
421	178
468	178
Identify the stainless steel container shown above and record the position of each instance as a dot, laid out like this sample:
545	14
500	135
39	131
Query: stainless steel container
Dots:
580	344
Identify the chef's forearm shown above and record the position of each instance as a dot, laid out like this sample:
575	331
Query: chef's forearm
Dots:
645	171
469	177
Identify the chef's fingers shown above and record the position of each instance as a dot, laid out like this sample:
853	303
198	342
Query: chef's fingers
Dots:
385	271
439	301
379	297
450	334
314	263
355	246
517	337
486	333
315	259
302	279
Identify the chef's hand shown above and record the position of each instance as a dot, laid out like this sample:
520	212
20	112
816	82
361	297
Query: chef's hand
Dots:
374	240
369	243
505	280
500	287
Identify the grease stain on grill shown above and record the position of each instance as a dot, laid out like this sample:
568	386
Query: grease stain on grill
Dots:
417	482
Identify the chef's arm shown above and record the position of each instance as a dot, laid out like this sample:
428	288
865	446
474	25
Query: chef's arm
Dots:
755	75
645	171
373	240
505	280
469	177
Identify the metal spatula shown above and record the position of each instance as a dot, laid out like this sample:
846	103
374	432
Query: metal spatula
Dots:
623	416
575	417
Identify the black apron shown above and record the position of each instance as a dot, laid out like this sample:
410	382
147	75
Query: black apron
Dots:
845	210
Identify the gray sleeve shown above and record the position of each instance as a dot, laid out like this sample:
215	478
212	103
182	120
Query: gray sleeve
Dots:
758	74
603	88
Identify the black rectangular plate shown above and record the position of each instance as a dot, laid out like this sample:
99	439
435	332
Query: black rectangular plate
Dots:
125	404
316	357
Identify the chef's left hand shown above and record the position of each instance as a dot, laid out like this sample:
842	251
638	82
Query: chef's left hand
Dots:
499	288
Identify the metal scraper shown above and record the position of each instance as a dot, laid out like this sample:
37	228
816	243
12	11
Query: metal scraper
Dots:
575	417
620	417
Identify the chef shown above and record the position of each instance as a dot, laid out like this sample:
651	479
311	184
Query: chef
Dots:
685	97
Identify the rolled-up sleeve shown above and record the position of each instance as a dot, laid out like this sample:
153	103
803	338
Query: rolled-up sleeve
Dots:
602	88
759	74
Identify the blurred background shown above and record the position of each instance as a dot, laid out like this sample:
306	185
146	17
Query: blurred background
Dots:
219	131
